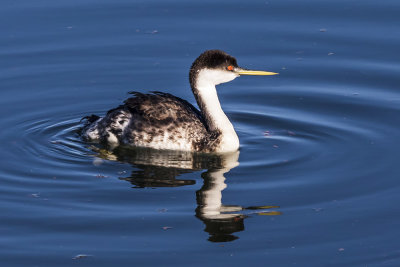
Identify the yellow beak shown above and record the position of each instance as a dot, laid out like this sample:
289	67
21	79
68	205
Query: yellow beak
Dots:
254	72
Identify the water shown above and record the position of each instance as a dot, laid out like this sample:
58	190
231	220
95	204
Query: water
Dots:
315	183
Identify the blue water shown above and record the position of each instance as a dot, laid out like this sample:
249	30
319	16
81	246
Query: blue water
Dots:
316	182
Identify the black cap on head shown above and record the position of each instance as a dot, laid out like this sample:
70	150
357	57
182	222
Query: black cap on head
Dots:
214	59
211	59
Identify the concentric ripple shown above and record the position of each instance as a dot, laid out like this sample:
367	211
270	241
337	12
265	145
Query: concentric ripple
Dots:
319	141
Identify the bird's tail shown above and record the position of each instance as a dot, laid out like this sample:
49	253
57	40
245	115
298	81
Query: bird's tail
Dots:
90	119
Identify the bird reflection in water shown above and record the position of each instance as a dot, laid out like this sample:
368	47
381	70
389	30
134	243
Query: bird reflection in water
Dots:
155	168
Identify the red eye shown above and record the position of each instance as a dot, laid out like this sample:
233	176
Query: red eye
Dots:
230	67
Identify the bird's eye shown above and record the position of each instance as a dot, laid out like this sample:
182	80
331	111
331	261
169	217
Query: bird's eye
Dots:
230	67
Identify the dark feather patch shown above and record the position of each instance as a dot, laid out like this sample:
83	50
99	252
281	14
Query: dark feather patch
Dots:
152	116
90	119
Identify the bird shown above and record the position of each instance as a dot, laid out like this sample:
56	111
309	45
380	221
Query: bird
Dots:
163	121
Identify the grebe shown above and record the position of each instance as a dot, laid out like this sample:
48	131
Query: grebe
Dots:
163	121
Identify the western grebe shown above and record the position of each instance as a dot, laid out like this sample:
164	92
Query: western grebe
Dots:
163	121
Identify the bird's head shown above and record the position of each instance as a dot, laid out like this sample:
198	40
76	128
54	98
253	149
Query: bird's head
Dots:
215	66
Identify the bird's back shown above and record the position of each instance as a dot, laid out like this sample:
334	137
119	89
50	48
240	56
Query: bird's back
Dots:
157	120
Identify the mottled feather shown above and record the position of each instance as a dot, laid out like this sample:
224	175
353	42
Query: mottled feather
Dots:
158	120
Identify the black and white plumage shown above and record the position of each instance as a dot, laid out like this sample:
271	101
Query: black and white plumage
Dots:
163	121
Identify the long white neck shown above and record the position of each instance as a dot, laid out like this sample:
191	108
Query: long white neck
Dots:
216	119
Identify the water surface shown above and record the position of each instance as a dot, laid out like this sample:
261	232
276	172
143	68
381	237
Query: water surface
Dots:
315	182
